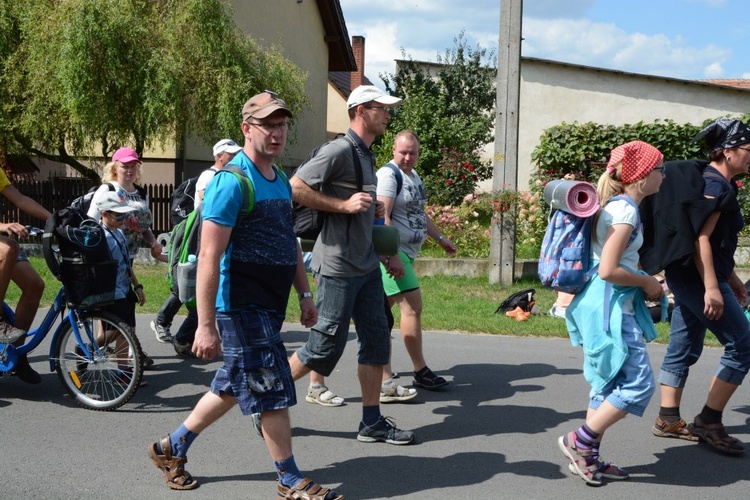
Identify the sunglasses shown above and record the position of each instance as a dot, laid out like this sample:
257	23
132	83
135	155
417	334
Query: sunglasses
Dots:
118	217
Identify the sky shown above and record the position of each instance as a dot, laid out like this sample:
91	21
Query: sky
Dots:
686	39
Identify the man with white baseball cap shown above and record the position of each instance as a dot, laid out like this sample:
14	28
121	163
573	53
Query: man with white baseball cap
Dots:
345	262
182	341
365	94
224	151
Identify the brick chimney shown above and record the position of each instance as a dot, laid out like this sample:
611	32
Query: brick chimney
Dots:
358	48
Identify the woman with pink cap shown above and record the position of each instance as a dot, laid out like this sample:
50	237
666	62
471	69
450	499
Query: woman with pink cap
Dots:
609	318
120	176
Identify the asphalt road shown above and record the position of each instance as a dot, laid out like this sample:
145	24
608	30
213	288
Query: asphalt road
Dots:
491	434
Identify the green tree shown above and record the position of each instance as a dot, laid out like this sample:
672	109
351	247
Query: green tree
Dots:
452	111
83	77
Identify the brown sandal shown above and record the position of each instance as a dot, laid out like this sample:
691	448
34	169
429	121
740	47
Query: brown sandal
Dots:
307	489
716	436
173	468
677	430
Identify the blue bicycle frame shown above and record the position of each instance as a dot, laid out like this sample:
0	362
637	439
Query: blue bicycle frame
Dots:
36	336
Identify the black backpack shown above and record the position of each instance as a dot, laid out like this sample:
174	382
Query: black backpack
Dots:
308	222
523	299
182	200
76	251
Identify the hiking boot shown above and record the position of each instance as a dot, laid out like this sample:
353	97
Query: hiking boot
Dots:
390	392
384	430
426	379
162	332
184	350
25	372
9	333
583	461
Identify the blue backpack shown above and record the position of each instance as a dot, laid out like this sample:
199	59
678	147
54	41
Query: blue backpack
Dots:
564	261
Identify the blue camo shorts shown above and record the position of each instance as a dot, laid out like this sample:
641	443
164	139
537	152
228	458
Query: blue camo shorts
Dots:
256	369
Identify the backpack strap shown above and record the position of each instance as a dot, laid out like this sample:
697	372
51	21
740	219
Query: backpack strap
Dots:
399	176
639	224
357	164
248	190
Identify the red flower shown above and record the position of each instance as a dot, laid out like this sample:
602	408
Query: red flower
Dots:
453	167
739	184
463	177
448	182
471	168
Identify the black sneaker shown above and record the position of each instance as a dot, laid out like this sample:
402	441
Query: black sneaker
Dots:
184	350
25	372
384	430
426	379
146	361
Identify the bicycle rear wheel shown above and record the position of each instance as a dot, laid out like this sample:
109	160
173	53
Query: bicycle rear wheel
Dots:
106	374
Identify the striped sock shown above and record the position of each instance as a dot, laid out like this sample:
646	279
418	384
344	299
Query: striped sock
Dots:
586	440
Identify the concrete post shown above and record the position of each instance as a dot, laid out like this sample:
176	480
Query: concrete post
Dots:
505	168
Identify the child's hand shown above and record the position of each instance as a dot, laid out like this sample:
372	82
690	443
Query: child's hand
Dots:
653	289
141	296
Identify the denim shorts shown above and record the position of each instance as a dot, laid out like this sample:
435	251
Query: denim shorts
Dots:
632	388
688	330
406	283
22	257
339	301
256	369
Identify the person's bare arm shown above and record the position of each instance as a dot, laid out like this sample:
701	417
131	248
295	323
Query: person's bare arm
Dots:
309	197
25	204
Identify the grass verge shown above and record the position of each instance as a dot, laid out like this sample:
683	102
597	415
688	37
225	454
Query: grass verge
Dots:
450	304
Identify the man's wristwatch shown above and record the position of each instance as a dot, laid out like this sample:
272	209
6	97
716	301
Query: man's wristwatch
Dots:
304	295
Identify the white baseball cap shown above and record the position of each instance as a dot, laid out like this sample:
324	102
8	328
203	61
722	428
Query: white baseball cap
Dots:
110	202
369	93
226	146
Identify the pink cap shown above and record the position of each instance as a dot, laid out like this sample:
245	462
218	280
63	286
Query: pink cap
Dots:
126	155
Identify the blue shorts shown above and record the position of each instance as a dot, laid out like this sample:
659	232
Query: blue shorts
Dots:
339	301
22	257
632	388
256	369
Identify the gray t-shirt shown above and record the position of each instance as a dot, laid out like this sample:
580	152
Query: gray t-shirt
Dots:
344	247
408	213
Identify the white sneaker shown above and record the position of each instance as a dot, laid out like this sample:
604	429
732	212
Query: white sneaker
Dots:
390	392
162	333
9	333
557	312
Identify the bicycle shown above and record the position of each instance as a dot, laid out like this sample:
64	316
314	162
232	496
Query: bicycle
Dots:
97	356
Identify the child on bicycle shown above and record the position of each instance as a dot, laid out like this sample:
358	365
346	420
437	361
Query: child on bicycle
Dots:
113	213
609	317
15	266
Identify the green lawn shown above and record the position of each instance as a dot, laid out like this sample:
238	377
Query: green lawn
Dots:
450	303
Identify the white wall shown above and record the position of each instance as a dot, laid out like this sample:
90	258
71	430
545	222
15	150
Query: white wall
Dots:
552	93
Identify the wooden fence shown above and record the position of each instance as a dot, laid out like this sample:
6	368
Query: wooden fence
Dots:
59	192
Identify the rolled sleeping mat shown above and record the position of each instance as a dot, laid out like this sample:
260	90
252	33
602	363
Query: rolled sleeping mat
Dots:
386	240
575	197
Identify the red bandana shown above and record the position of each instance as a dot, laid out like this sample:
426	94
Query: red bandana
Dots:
638	160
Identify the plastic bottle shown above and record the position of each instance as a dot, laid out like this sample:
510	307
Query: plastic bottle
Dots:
192	258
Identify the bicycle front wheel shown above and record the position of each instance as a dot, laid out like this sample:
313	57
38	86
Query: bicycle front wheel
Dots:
105	372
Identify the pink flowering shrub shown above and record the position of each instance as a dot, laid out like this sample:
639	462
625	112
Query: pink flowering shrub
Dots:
468	224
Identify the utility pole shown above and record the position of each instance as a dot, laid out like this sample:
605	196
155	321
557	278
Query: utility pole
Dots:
505	160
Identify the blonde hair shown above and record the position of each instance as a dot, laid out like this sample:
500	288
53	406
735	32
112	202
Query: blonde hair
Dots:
611	185
110	172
